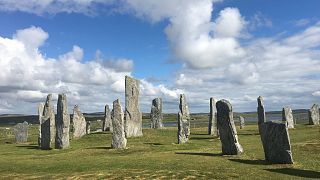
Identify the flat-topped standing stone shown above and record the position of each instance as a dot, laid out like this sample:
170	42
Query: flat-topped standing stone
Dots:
183	121
119	140
79	123
212	127
133	116
275	138
40	113
227	129
156	113
88	127
21	132
62	123
314	115
48	128
287	117
107	122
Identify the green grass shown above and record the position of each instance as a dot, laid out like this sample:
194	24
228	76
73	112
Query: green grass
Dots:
156	155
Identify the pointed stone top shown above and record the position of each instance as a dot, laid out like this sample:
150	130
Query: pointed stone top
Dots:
260	101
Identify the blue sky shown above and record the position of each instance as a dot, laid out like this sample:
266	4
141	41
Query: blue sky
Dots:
229	49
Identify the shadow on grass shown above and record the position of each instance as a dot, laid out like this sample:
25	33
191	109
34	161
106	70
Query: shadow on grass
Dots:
199	153
28	146
155	144
248	161
296	172
100	147
199	133
201	138
248	134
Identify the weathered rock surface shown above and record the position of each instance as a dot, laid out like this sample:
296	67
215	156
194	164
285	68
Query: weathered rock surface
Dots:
287	117
183	121
133	116
227	129
107	122
314	115
242	122
212	127
79	123
88	127
119	140
62	123
21	132
48	128
275	138
156	113
40	113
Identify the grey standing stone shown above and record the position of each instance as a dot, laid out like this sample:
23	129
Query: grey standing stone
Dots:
275	138
40	113
79	123
287	117
62	123
107	122
227	129
88	127
242	122
183	121
133	116
156	113
212	127
119	140
314	115
48	128
21	132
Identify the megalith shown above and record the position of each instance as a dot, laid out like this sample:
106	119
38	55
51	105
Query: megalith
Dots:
212	127
314	115
40	114
62	123
79	123
133	116
48	128
287	117
227	129
21	132
156	113
107	122
88	127
183	121
119	140
242	122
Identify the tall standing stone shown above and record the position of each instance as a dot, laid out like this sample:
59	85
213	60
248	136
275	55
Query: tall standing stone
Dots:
156	113
40	113
287	117
212	127
227	129
119	140
62	123
275	138
21	132
88	128
314	115
107	122
242	122
133	116
48	128
183	120
79	123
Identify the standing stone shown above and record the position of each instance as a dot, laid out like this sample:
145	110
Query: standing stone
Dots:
212	127
107	122
21	132
40	113
133	116
79	123
183	121
227	129
314	115
287	117
48	128
156	113
242	123
275	138
88	127
62	123
119	140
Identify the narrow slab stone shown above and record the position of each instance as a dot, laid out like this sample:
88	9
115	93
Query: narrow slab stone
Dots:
79	123
133	116
156	113
40	113
183	121
119	140
314	115
62	123
227	129
212	127
275	138
88	127
242	122
287	117
107	122
21	132
48	128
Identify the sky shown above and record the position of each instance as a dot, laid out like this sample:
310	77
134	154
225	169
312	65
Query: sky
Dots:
225	49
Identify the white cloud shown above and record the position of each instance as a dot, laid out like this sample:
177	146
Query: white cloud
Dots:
316	93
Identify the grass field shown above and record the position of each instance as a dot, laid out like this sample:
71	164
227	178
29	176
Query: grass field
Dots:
156	155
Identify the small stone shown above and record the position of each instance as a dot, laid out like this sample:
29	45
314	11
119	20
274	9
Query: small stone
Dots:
119	140
48	128
62	123
88	127
183	121
287	117
79	123
242	122
21	132
314	115
107	122
212	127
156	113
